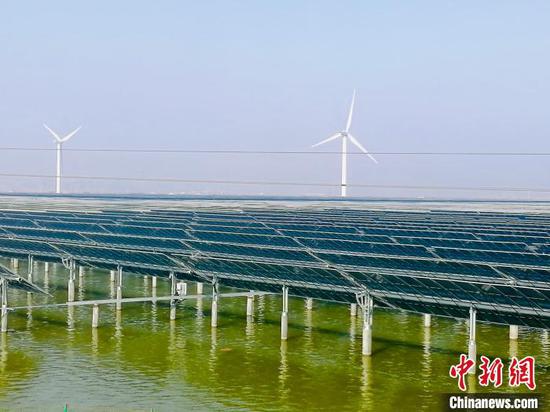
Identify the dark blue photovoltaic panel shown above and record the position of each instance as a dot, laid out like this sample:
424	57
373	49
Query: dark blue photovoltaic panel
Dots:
98	254
27	247
48	235
390	249
337	236
439	262
543	249
429	266
136	242
235	229
465	244
73	227
147	231
155	224
17	282
8	222
418	233
508	238
246	239
314	228
528	259
533	275
272	271
252	252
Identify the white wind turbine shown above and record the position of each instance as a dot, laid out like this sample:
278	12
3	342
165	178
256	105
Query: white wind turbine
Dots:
345	135
59	145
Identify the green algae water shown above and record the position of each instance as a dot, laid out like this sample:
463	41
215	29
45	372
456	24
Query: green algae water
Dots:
138	360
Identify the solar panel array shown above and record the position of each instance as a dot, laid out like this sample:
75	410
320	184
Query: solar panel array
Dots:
17	282
439	262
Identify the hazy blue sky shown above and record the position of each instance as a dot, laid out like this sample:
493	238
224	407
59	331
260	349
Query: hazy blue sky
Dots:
430	76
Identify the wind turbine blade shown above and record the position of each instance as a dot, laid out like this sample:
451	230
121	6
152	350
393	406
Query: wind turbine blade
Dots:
350	115
54	134
334	136
71	134
360	146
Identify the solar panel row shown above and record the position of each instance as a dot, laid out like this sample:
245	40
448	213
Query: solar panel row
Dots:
430	262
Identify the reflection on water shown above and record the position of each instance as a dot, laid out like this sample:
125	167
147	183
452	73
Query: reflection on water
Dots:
172	340
513	348
52	356
46	284
118	333
308	330
471	382
3	352
29	310
81	288
199	305
426	354
249	330
95	343
70	319
283	374
366	400
545	343
213	355
261	308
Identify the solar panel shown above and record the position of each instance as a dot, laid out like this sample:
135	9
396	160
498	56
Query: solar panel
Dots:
115	256
251	252
246	239
40	234
137	242
438	262
147	231
17	282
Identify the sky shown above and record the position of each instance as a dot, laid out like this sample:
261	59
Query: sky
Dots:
277	76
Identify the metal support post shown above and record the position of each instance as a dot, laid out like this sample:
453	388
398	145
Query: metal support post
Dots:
70	285
181	288
250	305
427	320
309	303
95	316
119	289
3	305
215	297
173	289
353	309
30	268
514	332
472	350
367	306
284	315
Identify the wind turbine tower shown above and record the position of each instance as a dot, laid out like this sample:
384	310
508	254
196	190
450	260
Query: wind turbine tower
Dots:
345	135
59	149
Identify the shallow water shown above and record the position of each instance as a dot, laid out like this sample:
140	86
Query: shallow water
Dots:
139	360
